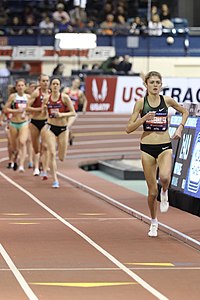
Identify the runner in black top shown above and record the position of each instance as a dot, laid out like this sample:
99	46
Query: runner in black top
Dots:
155	141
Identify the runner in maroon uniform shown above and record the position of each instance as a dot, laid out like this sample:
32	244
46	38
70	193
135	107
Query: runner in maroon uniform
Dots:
156	149
38	119
59	107
79	101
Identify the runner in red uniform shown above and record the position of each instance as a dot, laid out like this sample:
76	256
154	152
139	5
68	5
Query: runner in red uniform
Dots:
79	101
59	108
38	119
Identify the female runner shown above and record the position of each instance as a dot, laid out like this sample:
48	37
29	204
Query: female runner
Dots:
79	101
18	126
38	119
58	107
156	148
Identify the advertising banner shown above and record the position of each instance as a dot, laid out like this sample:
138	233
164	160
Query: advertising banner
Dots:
192	186
123	91
100	93
182	150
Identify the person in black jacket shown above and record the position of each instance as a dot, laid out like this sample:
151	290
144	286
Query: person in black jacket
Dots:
125	65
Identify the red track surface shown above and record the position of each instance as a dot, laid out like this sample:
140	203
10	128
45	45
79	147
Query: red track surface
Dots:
71	244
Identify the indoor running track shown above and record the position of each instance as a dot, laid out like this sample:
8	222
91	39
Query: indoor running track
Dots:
68	243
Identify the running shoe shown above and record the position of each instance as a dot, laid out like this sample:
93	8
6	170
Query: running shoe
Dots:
21	169
36	172
153	231
10	165
55	184
44	175
15	166
30	165
164	203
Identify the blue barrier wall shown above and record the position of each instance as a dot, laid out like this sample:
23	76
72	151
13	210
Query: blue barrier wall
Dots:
141	46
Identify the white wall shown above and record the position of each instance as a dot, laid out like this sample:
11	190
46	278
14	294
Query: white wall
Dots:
170	67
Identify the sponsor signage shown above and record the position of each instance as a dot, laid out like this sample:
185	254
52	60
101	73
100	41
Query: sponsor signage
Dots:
192	185
100	93
128	89
182	151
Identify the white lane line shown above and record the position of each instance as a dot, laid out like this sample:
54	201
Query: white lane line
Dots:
181	236
17	274
89	218
120	265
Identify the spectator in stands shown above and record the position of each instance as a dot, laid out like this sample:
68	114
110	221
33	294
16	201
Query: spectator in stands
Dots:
64	26
154	10
120	11
165	16
60	14
15	26
122	27
30	24
137	26
110	65
164	12
85	67
124	67
95	67
90	26
155	26
46	25
108	26
107	9
3	16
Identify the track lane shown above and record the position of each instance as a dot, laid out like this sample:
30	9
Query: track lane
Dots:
58	264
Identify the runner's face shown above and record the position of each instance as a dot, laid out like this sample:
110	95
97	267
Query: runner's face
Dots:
20	87
76	83
55	85
154	85
44	82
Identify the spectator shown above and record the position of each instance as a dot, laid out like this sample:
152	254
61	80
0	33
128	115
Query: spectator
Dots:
122	27
120	11
90	26
107	9
64	26
85	67
164	12
137	26
3	16
125	65
15	26
30	25
155	26
95	67
110	65
154	10
165	16
108	26
46	25
60	14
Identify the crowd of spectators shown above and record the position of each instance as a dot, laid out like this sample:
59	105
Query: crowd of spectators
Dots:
106	17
